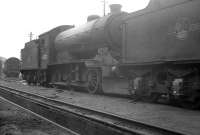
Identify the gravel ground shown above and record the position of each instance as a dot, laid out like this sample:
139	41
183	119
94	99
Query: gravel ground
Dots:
15	121
164	116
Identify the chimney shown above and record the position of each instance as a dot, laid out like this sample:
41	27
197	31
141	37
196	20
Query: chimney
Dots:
115	8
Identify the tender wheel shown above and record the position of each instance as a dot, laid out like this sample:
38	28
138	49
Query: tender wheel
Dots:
93	81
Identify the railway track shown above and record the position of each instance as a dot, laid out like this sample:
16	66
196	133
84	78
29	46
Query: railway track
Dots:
79	119
26	122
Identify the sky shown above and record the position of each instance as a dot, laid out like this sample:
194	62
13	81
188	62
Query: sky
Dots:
20	17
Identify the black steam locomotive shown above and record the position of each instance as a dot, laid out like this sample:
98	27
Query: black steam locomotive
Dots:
148	53
11	67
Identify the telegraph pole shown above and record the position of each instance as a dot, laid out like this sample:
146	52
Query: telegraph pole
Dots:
31	36
104	7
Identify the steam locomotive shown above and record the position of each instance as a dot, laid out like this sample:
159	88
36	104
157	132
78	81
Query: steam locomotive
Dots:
1	67
12	67
148	53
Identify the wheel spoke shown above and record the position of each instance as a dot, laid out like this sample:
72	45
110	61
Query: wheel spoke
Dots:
93	81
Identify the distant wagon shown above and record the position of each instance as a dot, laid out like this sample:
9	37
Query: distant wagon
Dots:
1	67
12	67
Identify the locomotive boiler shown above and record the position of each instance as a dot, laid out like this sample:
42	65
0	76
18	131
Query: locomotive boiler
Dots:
83	42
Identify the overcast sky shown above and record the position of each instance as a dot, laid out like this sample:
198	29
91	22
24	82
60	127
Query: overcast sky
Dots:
20	17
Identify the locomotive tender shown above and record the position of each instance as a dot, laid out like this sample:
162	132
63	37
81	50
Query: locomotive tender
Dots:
151	52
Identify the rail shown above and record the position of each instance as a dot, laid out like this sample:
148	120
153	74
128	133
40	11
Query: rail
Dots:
79	119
